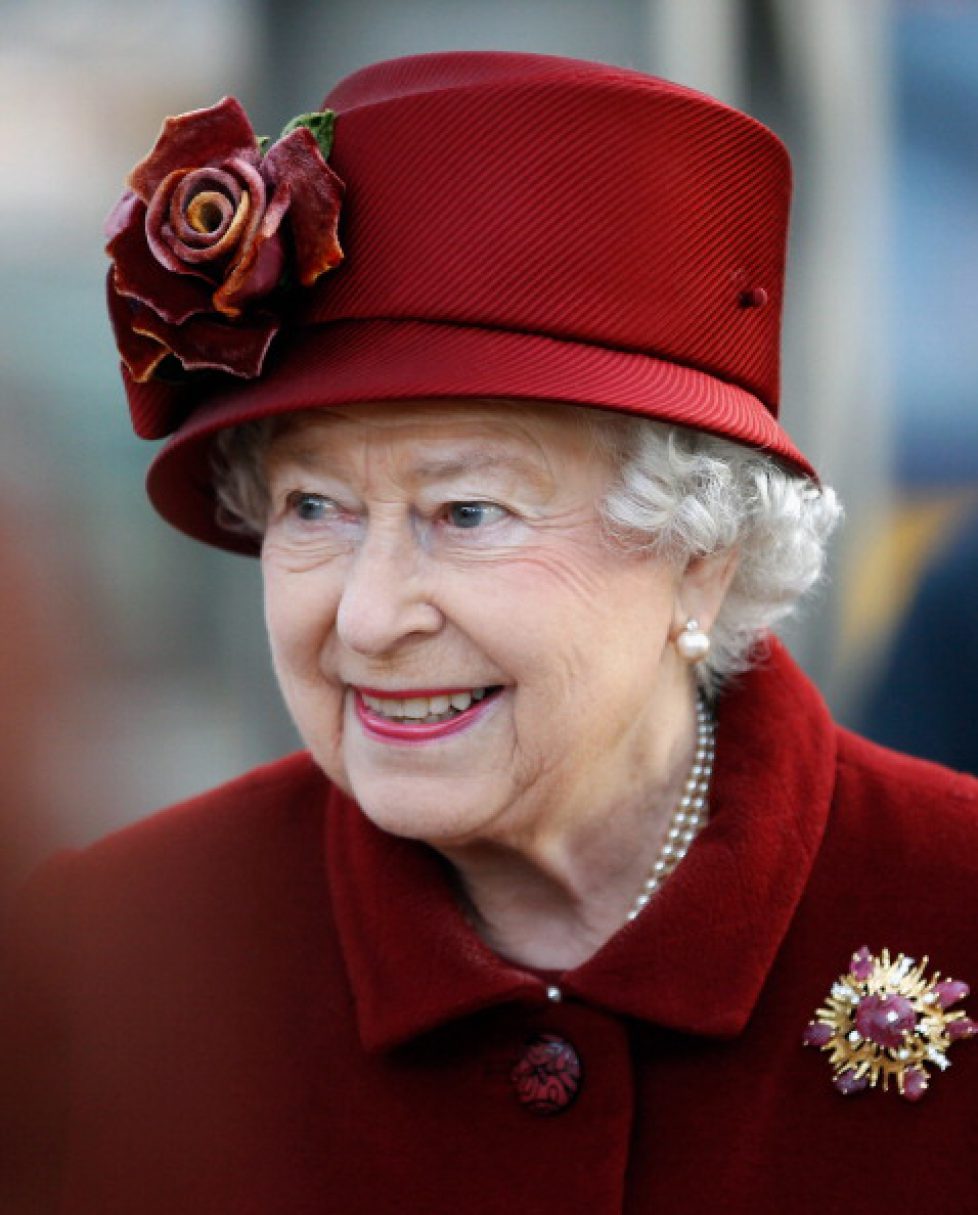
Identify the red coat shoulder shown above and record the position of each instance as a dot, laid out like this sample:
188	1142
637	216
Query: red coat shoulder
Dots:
918	775
918	812
898	865
151	969
251	803
221	863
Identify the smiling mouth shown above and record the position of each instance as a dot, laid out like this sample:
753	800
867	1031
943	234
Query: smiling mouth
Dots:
424	708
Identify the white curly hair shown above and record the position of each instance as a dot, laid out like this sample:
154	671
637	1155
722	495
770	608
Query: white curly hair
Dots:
678	494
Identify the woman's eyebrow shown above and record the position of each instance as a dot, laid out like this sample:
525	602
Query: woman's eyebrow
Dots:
430	468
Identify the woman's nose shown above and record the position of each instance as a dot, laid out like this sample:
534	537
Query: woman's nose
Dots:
385	597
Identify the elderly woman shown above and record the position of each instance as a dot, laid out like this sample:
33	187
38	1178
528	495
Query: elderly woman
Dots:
483	360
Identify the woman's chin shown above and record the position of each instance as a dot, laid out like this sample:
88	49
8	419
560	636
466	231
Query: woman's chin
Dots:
435	810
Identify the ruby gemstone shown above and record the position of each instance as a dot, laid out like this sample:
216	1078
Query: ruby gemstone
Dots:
914	1083
962	1027
848	1082
885	1020
817	1033
950	991
861	966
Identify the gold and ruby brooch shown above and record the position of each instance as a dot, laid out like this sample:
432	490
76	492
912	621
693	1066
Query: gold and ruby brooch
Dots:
886	1020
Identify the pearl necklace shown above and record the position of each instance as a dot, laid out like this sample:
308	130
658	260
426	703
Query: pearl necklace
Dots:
689	817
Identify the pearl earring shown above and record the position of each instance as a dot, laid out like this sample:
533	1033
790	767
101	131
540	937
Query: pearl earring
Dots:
692	643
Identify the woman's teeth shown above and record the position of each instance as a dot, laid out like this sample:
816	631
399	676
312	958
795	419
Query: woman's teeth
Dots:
424	709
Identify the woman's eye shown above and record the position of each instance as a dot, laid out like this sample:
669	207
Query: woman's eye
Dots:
472	514
311	508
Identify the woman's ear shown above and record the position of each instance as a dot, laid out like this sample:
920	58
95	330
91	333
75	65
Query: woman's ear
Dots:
702	588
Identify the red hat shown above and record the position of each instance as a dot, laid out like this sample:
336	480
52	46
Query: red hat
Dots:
513	226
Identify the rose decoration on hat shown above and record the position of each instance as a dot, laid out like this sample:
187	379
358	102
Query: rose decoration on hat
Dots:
213	224
888	1020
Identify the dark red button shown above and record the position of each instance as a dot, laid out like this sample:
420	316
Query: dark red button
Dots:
548	1076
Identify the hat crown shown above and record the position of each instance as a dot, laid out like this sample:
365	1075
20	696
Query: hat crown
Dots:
574	200
444	71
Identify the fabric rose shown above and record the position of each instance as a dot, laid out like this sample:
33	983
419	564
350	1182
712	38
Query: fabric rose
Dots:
209	228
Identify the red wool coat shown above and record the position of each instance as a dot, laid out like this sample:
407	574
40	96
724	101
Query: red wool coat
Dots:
257	1003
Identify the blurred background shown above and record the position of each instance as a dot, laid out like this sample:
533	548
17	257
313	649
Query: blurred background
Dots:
133	665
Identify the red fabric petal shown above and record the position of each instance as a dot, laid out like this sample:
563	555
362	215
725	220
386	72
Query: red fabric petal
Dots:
250	193
200	137
254	276
140	276
159	235
141	353
224	192
246	250
122	214
206	343
316	196
258	267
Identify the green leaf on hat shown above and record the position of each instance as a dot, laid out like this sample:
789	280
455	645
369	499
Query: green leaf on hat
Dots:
320	122
263	142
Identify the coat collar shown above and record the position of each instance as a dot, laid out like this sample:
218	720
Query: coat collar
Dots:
695	960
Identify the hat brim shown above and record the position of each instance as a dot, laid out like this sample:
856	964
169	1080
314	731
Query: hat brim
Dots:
376	360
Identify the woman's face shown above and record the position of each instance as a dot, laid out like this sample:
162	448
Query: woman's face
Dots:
459	646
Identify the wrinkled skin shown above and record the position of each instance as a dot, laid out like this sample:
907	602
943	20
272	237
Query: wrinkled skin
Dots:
562	790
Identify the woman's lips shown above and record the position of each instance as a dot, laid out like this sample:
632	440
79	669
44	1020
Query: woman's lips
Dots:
407	731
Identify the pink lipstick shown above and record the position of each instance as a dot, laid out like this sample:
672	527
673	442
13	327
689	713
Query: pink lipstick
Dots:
387	730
